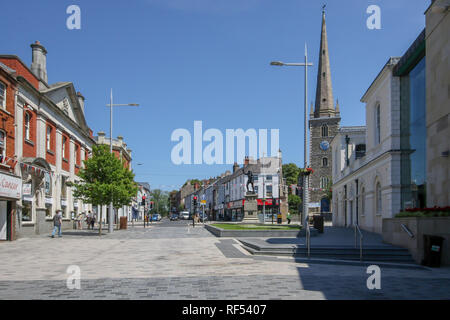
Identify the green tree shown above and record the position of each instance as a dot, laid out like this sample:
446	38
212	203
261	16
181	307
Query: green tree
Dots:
105	180
328	190
294	202
290	173
160	199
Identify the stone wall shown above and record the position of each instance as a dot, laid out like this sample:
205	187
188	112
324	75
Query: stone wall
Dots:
438	102
439	226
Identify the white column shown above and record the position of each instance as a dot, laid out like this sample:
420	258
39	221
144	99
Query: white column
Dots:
41	145
58	155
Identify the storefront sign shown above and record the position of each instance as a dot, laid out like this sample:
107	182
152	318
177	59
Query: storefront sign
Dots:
314	205
49	201
63	203
75	204
10	187
26	189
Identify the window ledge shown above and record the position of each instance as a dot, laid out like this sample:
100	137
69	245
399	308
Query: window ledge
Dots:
77	166
65	160
27	223
50	152
29	142
3	109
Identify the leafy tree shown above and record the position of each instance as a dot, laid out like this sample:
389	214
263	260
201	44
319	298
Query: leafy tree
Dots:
160	199
294	202
290	173
105	180
328	190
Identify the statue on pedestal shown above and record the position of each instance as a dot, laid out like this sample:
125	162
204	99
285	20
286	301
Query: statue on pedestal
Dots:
250	180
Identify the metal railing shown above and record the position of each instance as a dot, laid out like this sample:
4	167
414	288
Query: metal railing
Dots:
308	236
358	232
405	228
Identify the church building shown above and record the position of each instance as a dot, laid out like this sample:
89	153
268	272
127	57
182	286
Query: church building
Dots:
324	122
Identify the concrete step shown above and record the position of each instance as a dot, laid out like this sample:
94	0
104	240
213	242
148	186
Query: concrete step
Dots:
378	253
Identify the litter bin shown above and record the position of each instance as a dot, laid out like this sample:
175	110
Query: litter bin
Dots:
318	223
123	222
433	248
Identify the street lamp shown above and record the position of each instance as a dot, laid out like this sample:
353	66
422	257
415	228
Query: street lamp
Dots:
306	64
111	105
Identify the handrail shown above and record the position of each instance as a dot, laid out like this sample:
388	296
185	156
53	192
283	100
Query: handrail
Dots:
360	240
308	236
409	232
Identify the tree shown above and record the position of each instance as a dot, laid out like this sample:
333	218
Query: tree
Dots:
105	180
294	203
328	190
290	173
160	199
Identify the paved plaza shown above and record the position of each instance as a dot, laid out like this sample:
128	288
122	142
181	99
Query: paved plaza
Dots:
173	260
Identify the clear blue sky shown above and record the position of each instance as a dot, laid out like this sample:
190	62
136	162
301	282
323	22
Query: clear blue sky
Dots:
186	60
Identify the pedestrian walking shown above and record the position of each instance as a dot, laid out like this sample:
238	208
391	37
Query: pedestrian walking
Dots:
92	220
80	221
289	218
57	222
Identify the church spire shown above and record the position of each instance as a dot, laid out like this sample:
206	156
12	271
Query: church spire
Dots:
324	91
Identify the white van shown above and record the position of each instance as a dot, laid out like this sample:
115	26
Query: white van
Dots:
184	215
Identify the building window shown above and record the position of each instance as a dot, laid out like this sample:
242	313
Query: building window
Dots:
360	151
26	211
269	190
49	137
378	198
27	125
2	146
64	142
324	130
323	182
325	162
362	200
2	95
378	124
269	177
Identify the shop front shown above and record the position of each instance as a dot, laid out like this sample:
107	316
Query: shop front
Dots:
10	192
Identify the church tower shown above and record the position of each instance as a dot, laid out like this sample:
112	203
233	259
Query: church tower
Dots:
323	126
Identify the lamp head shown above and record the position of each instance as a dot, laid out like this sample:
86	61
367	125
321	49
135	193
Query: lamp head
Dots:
277	63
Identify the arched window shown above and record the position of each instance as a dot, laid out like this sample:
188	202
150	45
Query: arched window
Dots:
2	146
324	130
323	182
324	162
378	198
362	200
2	95
27	124
377	124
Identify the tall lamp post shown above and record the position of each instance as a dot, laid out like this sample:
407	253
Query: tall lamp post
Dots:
111	105
306	64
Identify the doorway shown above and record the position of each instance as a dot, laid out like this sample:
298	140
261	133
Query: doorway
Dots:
3	220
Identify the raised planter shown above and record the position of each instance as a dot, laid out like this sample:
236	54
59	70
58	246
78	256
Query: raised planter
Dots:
394	233
219	232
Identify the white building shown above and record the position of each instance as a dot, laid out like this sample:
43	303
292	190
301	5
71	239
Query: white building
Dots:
366	188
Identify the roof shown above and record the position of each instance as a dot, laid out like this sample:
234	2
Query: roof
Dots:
392	61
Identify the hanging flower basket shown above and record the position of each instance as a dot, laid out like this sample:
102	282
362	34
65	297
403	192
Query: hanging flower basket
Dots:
306	172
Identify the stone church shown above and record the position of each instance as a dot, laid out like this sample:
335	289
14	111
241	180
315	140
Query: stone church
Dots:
324	122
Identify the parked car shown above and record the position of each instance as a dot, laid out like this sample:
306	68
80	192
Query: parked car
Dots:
156	217
174	217
185	215
203	217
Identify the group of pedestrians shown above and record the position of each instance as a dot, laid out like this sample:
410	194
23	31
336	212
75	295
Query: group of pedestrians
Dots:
57	222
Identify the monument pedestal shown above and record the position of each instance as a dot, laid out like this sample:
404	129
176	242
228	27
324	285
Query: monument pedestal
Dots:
251	208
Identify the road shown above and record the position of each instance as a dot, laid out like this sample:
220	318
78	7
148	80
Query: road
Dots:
173	260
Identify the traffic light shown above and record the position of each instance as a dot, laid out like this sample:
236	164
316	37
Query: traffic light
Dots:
151	205
195	201
143	201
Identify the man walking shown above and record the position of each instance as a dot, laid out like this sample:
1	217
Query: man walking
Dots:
57	222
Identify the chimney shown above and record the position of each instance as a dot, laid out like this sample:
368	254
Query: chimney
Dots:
235	167
39	61
101	137
81	101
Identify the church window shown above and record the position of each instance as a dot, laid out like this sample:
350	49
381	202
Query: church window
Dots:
324	130
377	124
325	162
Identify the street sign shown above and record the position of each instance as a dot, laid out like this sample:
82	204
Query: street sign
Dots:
203	201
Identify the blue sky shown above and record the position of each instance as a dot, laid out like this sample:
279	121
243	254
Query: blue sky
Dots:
186	60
